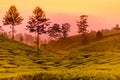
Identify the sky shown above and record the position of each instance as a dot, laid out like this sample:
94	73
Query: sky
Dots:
101	13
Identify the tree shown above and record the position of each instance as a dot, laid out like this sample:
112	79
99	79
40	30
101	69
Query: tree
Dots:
99	34
65	29
117	27
12	18
37	23
54	31
82	24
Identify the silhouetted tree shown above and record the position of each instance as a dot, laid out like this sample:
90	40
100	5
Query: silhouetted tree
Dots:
37	23
99	34
117	27
82	24
12	18
65	29
54	31
82	27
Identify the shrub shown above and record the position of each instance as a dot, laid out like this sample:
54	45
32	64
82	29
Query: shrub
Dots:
99	34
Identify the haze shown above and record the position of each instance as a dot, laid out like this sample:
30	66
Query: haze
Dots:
102	13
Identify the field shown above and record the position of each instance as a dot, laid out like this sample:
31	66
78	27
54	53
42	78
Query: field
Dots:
65	59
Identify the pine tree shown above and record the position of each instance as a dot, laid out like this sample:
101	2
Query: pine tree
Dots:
37	23
12	18
82	24
82	27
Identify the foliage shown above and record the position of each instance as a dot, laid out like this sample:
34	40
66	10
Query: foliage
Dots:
37	23
12	18
65	29
116	27
99	34
75	41
95	61
98	60
54	31
82	24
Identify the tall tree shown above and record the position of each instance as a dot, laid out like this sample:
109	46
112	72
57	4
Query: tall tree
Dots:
82	27
82	24
55	31
65	29
37	23
12	18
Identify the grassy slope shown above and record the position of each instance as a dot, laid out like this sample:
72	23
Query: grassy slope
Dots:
17	58
99	60
75	41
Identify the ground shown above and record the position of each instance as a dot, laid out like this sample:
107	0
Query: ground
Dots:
97	60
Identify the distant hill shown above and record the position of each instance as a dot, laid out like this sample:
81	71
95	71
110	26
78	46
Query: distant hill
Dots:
73	42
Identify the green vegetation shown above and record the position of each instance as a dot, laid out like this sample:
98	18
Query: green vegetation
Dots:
87	56
17	58
93	61
98	60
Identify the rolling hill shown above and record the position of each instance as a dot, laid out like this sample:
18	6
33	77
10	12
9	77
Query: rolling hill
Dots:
75	41
100	57
66	59
17	58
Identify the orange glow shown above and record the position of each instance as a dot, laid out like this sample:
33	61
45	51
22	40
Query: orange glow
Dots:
73	6
101	12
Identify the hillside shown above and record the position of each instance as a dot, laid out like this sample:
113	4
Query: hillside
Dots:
98	60
75	41
17	58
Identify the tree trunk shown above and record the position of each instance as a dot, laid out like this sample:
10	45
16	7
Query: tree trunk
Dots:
37	41
13	32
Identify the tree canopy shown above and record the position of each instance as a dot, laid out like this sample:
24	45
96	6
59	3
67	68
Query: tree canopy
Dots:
82	24
65	29
54	31
38	22
12	18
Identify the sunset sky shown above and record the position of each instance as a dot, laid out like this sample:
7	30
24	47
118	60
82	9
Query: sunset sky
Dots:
102	13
